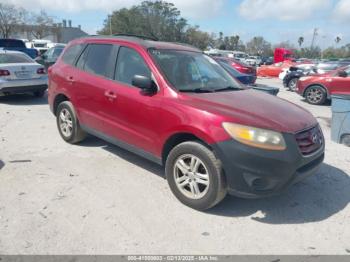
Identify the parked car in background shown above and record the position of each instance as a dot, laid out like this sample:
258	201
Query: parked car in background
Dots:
291	78
325	67
40	45
21	74
246	79
297	66
266	61
17	45
273	70
253	60
239	66
176	106
50	56
318	88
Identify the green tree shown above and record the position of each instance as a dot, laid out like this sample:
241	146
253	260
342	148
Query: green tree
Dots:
259	46
198	38
157	19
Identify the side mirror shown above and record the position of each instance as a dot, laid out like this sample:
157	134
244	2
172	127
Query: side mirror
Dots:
342	73
145	83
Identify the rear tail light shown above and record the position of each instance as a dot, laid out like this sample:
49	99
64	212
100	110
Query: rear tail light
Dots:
41	71
4	72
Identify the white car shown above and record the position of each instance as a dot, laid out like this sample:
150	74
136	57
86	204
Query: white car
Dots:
253	60
40	45
21	74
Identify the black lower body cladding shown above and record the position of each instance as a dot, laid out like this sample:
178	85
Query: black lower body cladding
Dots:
253	173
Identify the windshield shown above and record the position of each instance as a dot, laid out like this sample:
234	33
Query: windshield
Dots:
188	71
14	58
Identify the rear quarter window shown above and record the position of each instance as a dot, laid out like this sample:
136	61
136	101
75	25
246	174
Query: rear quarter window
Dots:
70	55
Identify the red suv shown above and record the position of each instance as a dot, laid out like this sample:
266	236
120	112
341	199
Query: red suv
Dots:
318	88
176	106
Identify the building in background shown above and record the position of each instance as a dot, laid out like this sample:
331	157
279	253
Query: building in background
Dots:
57	33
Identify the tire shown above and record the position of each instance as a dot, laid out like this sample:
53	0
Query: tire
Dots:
68	124
345	140
39	93
315	95
207	195
292	84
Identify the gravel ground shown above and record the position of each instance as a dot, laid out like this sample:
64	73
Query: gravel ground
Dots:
95	198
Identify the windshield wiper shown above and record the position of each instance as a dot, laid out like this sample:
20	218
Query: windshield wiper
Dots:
197	90
228	88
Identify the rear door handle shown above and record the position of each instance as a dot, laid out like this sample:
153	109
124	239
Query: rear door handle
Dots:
111	95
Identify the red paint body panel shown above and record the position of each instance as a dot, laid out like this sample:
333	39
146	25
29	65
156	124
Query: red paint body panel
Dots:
146	122
330	81
273	70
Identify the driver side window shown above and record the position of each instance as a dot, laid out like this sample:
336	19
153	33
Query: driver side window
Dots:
129	64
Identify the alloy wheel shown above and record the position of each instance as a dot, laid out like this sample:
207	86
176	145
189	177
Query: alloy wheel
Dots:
66	122
191	176
293	84
314	95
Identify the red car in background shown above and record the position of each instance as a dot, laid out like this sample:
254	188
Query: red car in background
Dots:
318	88
239	66
274	70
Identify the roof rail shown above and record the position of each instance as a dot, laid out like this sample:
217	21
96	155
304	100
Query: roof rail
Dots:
139	36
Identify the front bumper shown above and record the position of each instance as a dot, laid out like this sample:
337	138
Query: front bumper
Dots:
23	86
255	173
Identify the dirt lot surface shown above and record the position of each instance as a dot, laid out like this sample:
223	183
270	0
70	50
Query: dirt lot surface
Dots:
95	198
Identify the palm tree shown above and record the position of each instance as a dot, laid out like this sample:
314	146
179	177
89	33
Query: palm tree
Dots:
337	39
300	41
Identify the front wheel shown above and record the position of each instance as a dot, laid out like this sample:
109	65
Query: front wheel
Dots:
315	95
292	84
195	175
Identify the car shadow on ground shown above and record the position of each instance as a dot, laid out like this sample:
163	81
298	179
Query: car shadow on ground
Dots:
327	103
92	141
314	199
2	164
23	100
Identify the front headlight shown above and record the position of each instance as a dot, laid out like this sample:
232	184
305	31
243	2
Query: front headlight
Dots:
256	137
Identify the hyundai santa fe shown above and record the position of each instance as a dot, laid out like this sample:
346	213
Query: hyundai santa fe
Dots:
176	106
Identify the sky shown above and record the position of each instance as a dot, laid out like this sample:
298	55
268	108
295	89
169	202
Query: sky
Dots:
275	20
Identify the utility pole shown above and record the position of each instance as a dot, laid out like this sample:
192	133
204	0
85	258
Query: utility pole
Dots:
110	24
314	37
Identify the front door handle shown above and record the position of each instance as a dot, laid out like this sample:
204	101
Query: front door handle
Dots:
111	95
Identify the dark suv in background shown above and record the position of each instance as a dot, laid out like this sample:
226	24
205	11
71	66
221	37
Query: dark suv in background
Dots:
175	106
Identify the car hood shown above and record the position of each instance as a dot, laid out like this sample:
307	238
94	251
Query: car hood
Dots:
254	108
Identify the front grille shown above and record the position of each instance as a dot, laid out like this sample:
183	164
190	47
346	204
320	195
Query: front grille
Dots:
309	141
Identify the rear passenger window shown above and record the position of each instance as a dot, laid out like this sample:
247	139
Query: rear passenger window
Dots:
98	59
129	64
72	53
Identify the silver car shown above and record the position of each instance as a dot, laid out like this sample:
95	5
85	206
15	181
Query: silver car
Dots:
21	74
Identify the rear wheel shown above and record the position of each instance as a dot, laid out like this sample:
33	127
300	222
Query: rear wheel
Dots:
40	93
68	124
195	175
315	95
292	84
